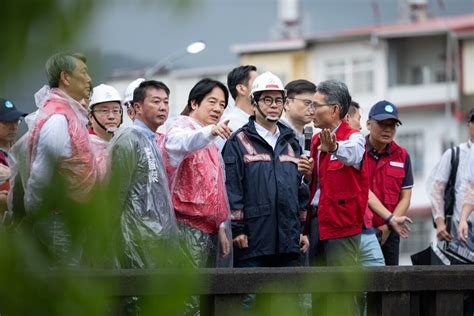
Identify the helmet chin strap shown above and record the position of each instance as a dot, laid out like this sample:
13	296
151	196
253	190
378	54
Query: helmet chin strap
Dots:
110	130
271	119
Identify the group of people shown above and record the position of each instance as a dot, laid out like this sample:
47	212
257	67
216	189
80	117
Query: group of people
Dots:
242	187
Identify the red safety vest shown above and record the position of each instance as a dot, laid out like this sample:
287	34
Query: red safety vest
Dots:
4	161
344	191
80	170
387	182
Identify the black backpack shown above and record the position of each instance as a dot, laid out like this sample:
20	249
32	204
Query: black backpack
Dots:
450	190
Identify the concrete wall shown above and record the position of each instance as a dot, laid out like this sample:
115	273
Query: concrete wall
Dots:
287	65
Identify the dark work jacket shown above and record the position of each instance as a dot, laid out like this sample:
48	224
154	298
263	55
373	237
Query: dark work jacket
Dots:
265	191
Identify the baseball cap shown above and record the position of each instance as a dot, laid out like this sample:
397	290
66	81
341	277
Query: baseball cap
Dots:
384	110
8	111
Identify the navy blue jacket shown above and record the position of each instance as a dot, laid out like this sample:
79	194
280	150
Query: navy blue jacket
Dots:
265	191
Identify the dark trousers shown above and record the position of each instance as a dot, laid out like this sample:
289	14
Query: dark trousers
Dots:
283	260
339	252
391	249
315	252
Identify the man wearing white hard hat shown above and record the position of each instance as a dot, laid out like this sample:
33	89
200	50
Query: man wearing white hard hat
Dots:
105	116
264	186
128	97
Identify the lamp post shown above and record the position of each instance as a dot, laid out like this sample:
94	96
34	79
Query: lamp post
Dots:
193	48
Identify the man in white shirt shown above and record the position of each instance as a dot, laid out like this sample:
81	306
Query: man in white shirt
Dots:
441	175
299	109
59	143
239	82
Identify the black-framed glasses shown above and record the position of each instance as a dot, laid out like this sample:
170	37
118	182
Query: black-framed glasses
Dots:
307	103
108	111
268	100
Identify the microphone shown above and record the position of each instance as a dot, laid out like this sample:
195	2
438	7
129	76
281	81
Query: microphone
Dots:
308	135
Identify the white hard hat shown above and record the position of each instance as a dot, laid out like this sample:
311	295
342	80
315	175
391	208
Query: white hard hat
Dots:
128	97
104	93
267	82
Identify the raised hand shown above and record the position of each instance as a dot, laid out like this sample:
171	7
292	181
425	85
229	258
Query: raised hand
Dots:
222	130
328	141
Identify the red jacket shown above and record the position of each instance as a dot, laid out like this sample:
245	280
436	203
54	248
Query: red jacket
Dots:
344	191
387	181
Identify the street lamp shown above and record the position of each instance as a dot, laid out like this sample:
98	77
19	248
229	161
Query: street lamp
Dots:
193	48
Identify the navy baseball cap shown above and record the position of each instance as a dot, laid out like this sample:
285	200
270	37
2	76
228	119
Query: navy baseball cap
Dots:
470	117
384	110
8	111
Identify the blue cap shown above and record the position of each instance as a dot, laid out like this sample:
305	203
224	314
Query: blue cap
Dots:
384	110
8	111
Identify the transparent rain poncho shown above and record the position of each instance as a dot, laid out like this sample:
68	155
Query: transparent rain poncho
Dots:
196	174
147	220
36	166
99	148
435	187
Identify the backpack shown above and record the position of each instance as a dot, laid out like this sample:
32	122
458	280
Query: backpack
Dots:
450	190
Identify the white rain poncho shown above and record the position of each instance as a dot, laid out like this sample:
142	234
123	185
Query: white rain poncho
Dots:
436	185
147	219
57	142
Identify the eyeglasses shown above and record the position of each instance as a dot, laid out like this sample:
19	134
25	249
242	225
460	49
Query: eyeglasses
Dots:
108	111
268	100
389	124
307	103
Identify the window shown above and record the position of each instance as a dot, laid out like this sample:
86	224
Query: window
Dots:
414	144
357	73
362	75
336	70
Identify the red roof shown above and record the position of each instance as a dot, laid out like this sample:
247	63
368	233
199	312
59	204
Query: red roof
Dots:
462	23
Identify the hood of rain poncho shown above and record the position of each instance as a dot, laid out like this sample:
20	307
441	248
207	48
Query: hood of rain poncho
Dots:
147	218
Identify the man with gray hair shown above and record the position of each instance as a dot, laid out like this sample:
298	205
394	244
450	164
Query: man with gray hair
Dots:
339	186
58	143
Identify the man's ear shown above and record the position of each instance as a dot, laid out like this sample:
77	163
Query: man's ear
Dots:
64	78
194	105
346	118
368	124
241	89
137	107
286	105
